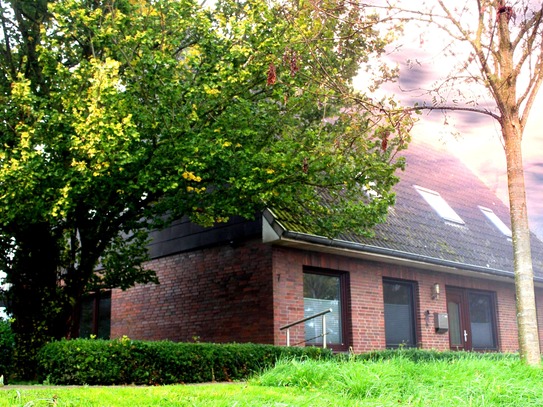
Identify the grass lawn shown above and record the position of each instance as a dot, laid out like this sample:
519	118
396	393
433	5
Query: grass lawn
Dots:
469	381
237	394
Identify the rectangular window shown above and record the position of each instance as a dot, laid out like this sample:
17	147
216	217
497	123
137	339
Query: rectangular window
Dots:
322	291
96	316
455	327
481	315
496	221
436	201
399	313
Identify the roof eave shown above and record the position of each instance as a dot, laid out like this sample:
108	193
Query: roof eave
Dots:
274	232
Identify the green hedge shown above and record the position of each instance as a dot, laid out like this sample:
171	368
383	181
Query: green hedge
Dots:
124	361
7	345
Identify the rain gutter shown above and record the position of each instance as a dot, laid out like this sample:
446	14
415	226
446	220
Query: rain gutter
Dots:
275	232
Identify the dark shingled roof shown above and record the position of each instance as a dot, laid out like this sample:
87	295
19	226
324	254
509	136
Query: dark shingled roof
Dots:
415	231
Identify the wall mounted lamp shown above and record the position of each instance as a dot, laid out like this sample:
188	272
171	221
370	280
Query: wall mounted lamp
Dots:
435	291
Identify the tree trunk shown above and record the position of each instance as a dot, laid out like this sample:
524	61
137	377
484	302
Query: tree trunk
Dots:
34	298
524	275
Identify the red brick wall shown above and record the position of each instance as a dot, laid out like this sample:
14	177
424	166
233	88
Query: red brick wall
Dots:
220	294
366	325
246	293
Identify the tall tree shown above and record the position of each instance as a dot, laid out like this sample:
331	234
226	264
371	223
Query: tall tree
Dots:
501	49
119	116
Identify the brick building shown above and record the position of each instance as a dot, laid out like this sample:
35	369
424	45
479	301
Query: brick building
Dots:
438	274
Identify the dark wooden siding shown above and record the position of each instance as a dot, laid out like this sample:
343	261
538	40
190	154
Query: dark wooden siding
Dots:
183	235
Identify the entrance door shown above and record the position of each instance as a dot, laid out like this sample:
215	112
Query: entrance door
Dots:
472	321
458	334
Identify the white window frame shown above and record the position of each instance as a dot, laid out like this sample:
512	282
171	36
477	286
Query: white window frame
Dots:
436	201
496	221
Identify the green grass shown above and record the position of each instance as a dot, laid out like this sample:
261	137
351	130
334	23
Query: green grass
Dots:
469	381
399	381
209	395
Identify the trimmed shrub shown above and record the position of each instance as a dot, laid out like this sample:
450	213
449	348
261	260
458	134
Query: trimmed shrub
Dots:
124	361
7	346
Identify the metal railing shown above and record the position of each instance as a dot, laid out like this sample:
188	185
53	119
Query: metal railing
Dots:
301	321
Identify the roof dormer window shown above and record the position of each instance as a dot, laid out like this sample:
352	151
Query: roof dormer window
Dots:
369	190
436	201
491	216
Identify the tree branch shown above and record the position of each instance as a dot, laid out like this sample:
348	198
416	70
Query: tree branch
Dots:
532	90
457	109
7	39
536	21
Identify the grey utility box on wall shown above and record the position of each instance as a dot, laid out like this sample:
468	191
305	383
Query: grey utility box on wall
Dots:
441	322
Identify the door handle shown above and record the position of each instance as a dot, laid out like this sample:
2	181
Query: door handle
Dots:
465	335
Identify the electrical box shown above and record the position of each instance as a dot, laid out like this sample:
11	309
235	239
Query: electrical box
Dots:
441	322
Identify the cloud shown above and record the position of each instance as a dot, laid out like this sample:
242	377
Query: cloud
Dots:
474	137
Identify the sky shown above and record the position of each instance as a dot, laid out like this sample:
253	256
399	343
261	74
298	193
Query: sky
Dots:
474	138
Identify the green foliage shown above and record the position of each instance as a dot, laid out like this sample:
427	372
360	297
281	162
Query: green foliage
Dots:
125	361
7	347
466	379
120	116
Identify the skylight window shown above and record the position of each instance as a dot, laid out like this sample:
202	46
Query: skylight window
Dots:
489	213
439	204
369	190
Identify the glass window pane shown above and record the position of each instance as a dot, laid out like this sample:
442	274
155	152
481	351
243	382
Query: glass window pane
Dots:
482	324
489	213
399	314
322	292
454	323
436	201
98	324
86	323
104	316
